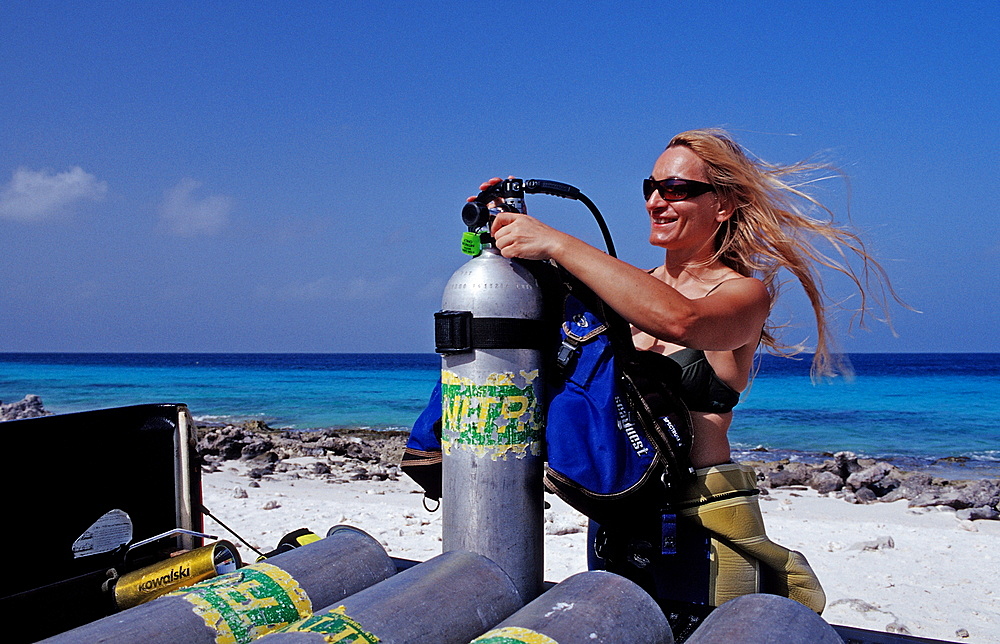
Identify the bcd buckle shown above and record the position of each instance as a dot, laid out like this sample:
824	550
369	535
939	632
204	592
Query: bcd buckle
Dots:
565	354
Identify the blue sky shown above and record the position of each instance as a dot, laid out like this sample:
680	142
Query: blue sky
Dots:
274	176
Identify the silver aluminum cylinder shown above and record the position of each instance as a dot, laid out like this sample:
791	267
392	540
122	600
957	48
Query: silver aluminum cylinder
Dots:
245	604
762	619
492	428
596	606
446	600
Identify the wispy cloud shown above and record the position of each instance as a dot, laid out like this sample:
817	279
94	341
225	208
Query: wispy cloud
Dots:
39	195
324	288
364	289
359	289
432	289
184	213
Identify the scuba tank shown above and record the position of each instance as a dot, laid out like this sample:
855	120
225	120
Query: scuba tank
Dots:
490	334
494	340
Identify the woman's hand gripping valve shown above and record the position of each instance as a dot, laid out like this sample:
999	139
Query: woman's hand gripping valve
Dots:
496	196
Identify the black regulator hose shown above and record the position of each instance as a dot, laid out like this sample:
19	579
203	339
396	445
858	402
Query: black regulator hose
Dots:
600	222
475	214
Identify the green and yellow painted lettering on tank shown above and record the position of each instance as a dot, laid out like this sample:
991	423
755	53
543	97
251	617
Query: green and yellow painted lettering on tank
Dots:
250	602
336	625
495	418
513	635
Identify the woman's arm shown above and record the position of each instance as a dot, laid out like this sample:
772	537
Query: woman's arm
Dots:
730	317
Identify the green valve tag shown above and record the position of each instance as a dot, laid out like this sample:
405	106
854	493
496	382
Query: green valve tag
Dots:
471	244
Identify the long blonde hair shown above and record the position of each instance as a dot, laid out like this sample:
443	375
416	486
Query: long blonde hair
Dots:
768	231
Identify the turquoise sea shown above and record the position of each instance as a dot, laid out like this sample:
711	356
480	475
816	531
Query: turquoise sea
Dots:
912	408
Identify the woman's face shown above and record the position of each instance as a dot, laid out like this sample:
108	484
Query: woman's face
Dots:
687	224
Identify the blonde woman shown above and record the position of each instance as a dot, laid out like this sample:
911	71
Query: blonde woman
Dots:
728	223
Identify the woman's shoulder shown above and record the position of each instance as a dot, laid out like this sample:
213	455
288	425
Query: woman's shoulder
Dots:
729	281
747	297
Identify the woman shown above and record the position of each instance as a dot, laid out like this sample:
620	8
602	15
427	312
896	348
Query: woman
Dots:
728	224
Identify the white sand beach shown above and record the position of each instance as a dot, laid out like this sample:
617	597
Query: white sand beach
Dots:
884	567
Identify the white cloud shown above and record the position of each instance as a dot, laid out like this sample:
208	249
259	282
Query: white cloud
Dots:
184	214
432	289
324	288
36	196
364	289
329	289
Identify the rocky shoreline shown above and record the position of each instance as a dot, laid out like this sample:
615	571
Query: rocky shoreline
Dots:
335	455
28	407
340	455
863	481
355	454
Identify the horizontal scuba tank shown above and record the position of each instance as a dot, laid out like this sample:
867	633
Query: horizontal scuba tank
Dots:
448	599
246	603
596	607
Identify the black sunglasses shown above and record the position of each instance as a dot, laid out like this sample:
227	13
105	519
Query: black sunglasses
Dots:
674	189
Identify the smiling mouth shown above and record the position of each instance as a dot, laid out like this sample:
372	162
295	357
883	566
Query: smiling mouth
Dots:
664	220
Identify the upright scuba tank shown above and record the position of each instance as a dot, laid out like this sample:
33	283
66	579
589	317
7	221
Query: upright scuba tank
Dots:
490	334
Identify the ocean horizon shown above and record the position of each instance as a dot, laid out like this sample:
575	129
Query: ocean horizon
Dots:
914	409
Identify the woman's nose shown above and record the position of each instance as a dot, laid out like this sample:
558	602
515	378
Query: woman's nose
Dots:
655	200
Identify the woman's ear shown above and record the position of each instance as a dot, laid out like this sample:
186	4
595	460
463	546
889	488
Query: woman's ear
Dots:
725	211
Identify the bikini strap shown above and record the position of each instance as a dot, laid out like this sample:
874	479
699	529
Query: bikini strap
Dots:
712	290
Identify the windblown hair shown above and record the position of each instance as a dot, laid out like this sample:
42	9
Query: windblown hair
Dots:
770	230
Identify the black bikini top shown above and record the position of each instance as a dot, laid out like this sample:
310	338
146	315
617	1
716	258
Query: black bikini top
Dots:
701	388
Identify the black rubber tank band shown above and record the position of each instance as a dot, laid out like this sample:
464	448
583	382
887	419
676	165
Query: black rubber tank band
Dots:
459	332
